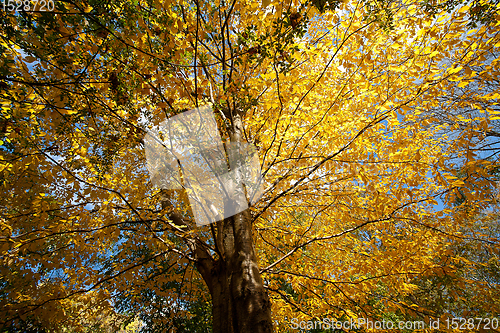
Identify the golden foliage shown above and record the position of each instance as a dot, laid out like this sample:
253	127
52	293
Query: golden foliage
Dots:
369	139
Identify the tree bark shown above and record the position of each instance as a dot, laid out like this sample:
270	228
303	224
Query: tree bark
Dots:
240	303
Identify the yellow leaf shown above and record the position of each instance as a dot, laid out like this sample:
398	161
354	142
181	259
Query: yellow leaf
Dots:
458	183
455	70
463	9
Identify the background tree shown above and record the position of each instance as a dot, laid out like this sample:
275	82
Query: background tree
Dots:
332	95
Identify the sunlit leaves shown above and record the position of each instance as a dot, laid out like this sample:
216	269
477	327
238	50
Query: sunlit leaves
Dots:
370	119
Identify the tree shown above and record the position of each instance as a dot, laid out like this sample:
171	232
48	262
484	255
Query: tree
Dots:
329	92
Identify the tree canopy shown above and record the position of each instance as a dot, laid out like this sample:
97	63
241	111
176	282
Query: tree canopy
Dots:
375	123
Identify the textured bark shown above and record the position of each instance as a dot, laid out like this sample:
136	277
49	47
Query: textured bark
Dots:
240	303
222	318
252	308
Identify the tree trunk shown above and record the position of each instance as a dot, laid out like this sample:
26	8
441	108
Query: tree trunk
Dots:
240	303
